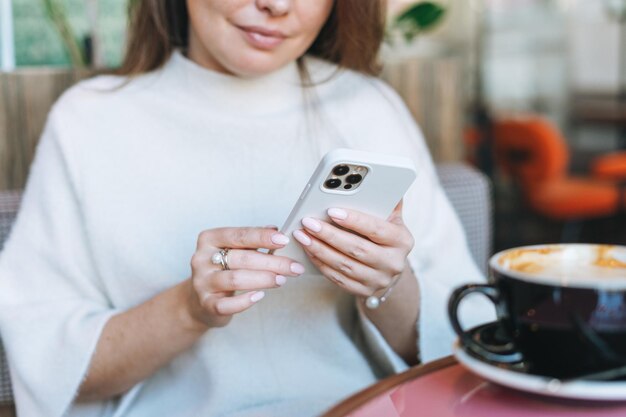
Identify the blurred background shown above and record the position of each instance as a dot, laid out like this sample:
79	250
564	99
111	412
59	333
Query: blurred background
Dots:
532	93
38	41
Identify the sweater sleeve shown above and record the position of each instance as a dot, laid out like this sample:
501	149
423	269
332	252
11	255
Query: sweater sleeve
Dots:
440	259
52	304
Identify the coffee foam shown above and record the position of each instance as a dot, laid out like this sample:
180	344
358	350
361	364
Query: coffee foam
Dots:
567	265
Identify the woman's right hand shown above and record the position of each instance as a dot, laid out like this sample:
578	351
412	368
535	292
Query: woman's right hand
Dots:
215	296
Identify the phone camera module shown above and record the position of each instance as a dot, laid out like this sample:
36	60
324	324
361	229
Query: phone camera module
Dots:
340	170
332	183
354	179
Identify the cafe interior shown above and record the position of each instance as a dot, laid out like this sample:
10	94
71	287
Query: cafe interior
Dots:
522	104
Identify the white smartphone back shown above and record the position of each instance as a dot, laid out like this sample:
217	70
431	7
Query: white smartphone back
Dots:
384	181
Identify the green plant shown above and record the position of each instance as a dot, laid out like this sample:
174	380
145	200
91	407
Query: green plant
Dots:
58	16
418	18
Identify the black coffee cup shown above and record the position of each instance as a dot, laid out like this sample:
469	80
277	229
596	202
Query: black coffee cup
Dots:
562	308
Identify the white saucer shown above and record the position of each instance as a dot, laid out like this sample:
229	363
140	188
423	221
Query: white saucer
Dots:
580	390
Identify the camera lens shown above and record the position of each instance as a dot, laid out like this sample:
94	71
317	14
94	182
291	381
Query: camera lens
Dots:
340	170
332	183
354	179
347	186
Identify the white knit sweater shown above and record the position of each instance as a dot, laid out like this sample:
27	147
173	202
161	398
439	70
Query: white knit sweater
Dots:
124	180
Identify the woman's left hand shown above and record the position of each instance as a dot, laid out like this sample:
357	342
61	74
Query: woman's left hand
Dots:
361	253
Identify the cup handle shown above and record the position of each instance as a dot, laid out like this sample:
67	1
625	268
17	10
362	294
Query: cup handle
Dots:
494	353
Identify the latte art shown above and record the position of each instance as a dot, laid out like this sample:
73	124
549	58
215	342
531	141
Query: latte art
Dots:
575	265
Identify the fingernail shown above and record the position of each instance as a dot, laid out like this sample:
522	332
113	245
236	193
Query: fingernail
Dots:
312	224
296	268
336	213
257	296
302	237
280	280
280	239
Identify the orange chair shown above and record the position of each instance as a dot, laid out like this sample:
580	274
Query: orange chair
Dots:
534	153
610	167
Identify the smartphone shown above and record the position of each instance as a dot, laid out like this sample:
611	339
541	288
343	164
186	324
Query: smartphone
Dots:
369	182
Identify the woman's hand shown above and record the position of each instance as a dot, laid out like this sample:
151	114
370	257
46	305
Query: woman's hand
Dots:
213	299
361	253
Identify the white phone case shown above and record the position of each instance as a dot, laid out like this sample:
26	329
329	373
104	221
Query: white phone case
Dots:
387	180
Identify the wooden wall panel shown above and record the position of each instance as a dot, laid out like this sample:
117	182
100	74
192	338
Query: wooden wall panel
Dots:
26	97
433	91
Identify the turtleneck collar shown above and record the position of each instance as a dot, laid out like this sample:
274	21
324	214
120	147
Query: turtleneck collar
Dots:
272	93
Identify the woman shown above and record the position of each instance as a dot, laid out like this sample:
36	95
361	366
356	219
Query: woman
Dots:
208	135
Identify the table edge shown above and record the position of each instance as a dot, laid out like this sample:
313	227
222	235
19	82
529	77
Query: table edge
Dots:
357	400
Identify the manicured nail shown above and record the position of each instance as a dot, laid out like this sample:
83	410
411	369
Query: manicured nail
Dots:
257	296
312	224
280	280
280	239
302	237
296	268
336	213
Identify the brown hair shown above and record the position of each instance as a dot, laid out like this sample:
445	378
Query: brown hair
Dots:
350	38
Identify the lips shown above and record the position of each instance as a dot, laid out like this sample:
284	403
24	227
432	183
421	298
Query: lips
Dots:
262	38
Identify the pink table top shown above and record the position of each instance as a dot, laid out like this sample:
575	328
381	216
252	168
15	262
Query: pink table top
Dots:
445	389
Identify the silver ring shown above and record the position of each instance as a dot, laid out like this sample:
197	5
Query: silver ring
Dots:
221	258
